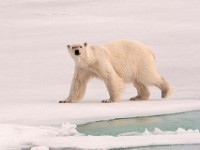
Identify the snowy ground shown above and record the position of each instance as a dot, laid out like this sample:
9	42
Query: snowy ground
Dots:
36	68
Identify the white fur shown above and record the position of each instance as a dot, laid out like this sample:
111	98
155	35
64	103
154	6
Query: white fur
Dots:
116	63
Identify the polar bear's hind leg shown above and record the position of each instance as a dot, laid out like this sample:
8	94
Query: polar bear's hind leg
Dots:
142	90
164	86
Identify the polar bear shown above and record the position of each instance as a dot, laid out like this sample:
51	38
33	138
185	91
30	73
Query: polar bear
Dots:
116	63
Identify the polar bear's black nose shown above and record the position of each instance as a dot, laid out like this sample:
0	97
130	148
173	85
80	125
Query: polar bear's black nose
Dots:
76	52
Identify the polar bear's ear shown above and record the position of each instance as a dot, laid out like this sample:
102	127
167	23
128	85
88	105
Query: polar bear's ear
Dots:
85	44
68	46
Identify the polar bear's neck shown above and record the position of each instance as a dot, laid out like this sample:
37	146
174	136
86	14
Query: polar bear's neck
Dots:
87	60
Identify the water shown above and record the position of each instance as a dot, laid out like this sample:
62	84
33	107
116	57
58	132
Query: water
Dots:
189	120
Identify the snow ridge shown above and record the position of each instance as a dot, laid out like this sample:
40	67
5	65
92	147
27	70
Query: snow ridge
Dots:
16	136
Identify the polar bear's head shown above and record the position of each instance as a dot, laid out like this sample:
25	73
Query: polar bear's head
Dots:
77	49
80	53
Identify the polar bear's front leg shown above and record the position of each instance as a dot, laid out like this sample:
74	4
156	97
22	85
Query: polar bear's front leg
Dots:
78	86
114	85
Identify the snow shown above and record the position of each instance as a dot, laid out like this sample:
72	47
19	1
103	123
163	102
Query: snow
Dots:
40	148
18	135
56	137
106	142
36	69
157	131
79	113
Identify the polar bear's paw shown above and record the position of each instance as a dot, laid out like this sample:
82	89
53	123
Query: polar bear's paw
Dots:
136	98
65	101
62	101
166	93
107	101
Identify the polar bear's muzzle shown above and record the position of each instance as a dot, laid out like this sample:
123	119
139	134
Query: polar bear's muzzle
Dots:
77	52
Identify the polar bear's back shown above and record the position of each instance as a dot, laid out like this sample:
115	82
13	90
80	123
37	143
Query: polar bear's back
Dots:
132	59
131	47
